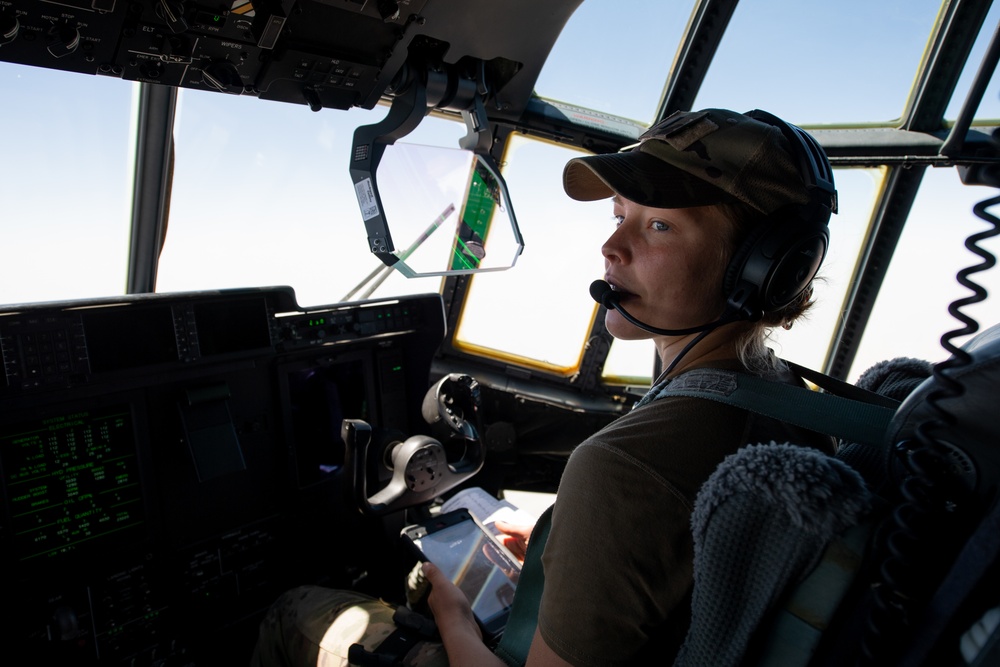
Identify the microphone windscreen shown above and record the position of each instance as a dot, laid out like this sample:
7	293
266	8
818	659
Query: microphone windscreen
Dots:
601	292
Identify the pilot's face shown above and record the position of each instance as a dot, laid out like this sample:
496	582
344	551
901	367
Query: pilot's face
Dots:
667	266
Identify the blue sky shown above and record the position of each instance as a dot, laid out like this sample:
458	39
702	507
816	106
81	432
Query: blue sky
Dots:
262	193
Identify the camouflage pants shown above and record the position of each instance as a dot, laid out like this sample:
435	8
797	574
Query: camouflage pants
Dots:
313	626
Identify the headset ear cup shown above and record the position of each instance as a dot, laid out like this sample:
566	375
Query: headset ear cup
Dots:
737	280
794	269
738	262
777	262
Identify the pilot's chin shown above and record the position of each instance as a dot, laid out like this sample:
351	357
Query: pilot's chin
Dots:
622	329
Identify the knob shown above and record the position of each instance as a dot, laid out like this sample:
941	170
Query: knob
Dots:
312	99
223	76
9	25
172	13
388	9
63	39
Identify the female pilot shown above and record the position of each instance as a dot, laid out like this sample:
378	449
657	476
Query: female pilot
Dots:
720	228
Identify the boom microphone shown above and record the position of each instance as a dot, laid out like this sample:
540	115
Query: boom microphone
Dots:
603	294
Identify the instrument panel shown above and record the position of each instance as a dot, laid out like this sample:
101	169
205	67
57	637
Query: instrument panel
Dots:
173	462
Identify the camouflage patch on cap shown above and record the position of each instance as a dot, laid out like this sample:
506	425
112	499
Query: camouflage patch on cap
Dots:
701	158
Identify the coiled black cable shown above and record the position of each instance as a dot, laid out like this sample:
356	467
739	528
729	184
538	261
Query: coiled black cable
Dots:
935	508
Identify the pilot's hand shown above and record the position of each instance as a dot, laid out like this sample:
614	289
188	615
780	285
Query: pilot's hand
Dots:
451	609
493	554
515	537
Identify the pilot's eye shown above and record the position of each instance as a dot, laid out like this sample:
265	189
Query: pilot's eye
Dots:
660	226
619	219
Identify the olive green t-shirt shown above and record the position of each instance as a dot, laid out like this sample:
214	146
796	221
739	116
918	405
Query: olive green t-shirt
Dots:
618	561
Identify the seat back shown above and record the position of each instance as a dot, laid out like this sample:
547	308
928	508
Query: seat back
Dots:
888	572
761	522
941	541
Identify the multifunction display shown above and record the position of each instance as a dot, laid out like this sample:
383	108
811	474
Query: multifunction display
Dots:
72	481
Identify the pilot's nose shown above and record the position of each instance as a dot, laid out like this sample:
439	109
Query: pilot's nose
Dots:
617	246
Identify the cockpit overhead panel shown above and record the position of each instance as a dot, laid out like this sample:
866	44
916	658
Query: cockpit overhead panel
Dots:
334	54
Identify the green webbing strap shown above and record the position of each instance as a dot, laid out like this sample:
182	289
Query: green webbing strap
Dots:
845	418
520	630
793	634
841	388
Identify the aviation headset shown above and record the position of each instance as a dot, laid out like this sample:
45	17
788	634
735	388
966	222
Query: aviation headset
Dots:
782	254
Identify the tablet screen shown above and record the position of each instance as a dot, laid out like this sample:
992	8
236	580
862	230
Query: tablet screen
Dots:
471	559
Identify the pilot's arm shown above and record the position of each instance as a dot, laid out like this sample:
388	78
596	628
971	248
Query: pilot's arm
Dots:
463	641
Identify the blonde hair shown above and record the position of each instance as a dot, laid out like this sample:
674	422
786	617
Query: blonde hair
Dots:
751	344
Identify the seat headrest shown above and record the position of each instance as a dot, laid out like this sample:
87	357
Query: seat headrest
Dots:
968	392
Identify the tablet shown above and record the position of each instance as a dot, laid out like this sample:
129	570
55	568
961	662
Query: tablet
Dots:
474	560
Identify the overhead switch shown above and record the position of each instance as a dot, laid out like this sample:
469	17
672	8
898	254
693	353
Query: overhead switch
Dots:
388	10
63	39
9	25
172	13
267	26
223	76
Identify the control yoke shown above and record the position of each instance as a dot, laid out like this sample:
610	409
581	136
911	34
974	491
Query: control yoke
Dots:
420	467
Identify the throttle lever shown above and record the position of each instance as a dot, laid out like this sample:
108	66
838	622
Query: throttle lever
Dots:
357	436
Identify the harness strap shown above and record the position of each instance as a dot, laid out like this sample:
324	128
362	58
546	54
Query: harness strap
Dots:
846	418
798	625
841	388
520	630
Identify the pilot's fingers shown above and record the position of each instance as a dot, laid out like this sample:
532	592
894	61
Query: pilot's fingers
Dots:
519	530
433	574
442	587
515	538
517	546
447	602
493	555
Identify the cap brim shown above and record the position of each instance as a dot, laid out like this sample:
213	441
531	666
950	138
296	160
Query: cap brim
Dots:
638	177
